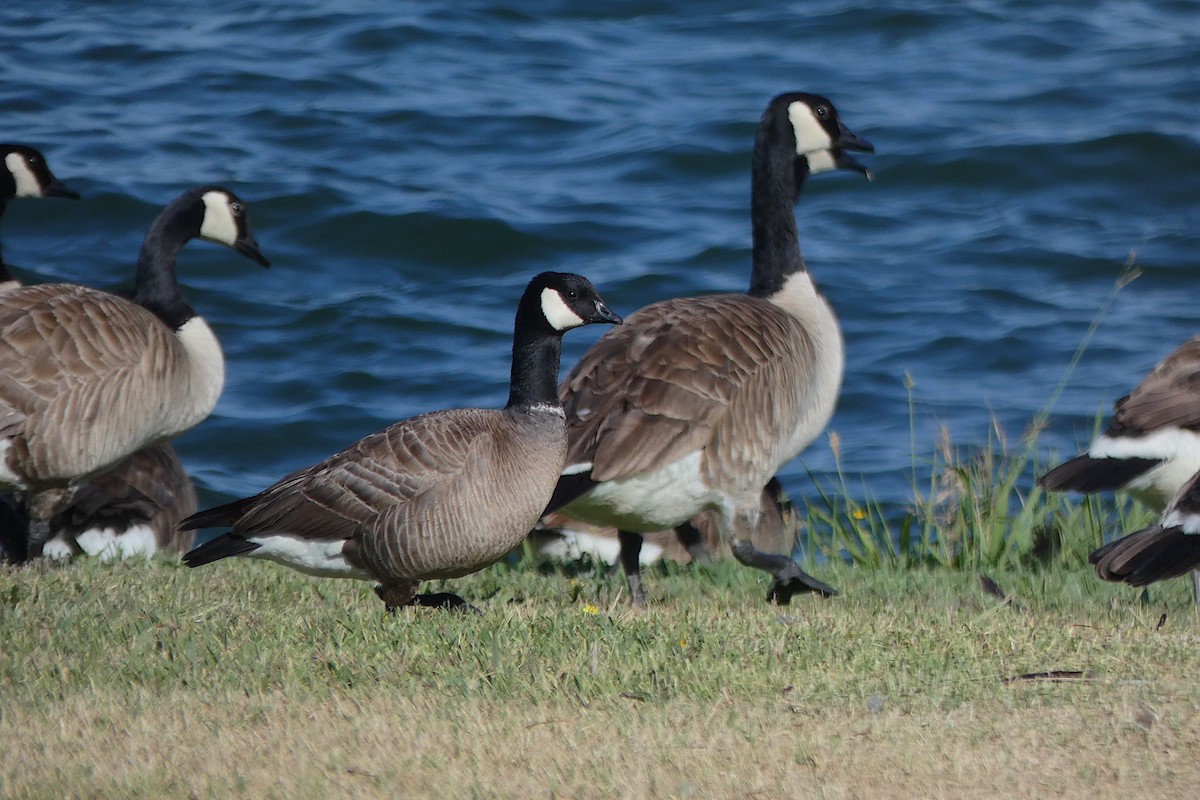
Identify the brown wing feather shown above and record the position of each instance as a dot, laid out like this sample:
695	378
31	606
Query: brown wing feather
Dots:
674	378
1168	396
66	355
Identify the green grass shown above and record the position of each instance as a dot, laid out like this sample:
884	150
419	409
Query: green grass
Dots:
150	679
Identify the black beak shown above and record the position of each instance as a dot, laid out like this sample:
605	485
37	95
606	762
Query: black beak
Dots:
248	247
604	314
844	160
56	188
849	140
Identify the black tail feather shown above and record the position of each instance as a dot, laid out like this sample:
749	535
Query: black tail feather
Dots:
1090	475
224	546
1147	556
217	516
570	488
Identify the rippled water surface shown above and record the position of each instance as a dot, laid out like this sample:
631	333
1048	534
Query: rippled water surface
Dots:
409	168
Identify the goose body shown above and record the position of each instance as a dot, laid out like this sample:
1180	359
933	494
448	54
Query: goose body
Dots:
25	173
132	509
88	378
1151	447
695	403
436	496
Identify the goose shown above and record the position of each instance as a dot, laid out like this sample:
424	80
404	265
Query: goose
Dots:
694	403
133	509
1151	448
1167	549
87	377
1152	445
439	495
564	539
25	174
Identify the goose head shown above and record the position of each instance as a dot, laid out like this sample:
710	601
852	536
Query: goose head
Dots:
224	220
564	301
821	141
26	174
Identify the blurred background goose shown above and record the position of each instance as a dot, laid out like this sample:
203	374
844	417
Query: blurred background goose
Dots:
87	378
695	403
1150	449
25	174
435	496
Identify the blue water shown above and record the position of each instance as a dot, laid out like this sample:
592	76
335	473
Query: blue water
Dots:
408	168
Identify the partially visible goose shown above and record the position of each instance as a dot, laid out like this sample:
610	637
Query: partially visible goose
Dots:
565	539
696	402
1152	445
1166	550
87	378
25	174
132	509
1151	449
436	496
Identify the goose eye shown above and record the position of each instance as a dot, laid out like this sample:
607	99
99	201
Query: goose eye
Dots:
572	294
822	112
31	159
235	209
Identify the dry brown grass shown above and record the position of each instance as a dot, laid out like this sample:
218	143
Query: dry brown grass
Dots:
1096	740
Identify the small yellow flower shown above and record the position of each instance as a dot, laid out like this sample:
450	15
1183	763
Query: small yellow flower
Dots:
683	643
859	514
590	608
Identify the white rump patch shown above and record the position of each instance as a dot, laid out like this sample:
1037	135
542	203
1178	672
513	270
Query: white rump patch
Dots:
106	543
810	136
571	545
1178	449
138	540
557	313
219	225
320	557
575	469
27	182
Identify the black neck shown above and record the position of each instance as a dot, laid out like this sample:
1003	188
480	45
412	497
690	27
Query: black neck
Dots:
536	357
156	289
537	352
775	183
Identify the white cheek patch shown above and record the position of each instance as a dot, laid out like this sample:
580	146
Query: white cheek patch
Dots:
820	161
810	135
557	313
219	225
27	182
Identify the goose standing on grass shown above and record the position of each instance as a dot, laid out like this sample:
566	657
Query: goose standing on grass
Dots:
25	174
695	403
436	496
87	378
1150	449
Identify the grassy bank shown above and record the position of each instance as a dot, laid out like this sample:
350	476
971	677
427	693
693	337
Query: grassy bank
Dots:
148	679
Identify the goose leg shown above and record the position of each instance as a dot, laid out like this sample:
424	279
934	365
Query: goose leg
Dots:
447	600
690	538
788	578
399	595
631	551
